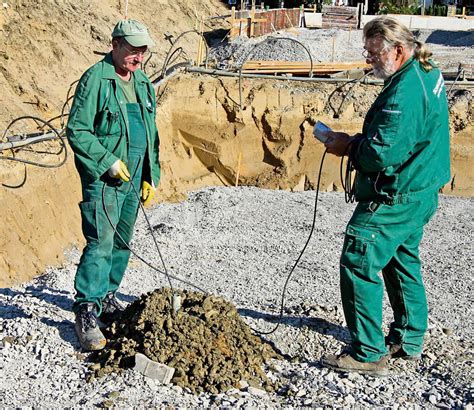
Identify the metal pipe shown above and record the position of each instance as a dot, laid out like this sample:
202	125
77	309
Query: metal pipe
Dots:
22	140
223	73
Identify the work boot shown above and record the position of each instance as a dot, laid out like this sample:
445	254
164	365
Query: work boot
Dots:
396	352
344	362
112	309
87	329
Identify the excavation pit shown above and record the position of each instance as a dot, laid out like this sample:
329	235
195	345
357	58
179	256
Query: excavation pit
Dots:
207	343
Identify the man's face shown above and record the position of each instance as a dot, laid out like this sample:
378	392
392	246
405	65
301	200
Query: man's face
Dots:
126	57
383	60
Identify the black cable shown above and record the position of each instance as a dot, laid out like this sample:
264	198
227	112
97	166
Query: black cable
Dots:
349	193
347	184
25	176
35	163
165	272
347	180
282	304
354	82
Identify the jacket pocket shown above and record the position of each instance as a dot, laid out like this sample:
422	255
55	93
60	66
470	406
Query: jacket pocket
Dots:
357	246
108	123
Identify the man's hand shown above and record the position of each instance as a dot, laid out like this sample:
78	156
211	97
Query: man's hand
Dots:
148	192
337	142
120	171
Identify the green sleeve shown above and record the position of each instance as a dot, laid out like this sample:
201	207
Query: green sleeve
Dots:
390	137
93	159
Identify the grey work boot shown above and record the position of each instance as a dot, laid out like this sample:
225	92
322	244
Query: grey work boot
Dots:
346	363
87	328
112	309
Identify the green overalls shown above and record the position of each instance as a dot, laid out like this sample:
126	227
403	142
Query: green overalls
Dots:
105	257
402	159
107	123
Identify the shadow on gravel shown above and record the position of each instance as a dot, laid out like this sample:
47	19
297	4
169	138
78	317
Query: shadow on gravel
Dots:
451	38
65	329
8	311
59	298
126	298
319	325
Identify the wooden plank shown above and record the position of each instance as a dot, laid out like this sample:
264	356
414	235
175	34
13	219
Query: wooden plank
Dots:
300	67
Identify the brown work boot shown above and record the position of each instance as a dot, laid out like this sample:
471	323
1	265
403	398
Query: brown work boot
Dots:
396	352
344	362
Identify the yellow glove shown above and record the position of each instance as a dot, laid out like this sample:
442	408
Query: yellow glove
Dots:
148	192
119	170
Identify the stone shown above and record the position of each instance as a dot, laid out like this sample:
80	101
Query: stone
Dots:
431	356
257	392
152	369
243	384
301	393
350	400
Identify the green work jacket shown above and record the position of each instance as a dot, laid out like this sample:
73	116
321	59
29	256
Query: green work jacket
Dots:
403	152
98	129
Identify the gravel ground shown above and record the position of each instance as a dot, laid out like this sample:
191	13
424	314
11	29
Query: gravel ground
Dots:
240	243
449	47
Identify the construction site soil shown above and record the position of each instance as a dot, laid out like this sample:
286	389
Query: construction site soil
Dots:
206	139
214	131
206	341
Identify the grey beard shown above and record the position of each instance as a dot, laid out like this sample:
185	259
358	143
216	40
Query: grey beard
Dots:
385	71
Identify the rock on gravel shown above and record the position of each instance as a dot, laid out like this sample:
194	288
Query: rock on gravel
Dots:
240	243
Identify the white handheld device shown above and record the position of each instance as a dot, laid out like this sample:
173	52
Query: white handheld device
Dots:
319	129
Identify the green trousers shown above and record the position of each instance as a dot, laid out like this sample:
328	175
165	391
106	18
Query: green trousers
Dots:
105	256
385	238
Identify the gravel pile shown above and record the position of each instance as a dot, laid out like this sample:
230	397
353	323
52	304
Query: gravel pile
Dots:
240	243
449	47
283	46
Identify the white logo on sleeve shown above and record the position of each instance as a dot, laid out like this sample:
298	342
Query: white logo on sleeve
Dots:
439	86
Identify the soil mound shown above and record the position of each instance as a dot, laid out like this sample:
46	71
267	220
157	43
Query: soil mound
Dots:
211	348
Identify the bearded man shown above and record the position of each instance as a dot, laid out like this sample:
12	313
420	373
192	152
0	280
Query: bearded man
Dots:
402	160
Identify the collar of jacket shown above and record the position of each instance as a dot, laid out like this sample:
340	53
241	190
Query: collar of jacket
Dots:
109	70
399	72
402	69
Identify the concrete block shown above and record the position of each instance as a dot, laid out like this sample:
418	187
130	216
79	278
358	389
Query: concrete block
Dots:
313	20
152	369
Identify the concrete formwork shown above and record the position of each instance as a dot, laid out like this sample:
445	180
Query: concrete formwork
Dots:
428	22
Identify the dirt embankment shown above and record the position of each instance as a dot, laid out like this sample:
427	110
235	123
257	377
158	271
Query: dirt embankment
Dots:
269	142
205	138
45	46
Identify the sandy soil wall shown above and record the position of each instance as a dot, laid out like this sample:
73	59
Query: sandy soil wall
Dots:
205	141
269	142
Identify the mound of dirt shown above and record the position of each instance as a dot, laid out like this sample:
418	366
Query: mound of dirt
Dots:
206	341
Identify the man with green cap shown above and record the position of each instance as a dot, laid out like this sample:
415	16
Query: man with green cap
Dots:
402	160
112	131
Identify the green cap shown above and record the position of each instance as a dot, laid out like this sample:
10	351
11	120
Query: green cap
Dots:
134	32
